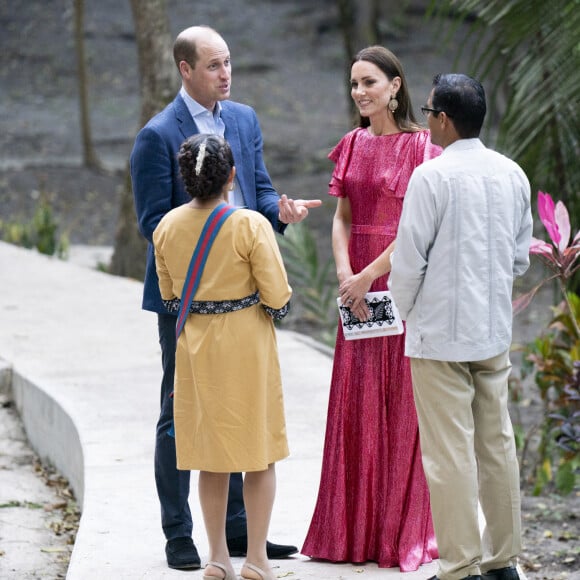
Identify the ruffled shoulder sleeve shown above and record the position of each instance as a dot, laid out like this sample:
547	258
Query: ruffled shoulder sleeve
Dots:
341	155
425	150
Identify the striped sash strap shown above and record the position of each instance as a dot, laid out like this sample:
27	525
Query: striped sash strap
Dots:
210	230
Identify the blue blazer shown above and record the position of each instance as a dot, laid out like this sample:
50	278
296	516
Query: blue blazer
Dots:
157	184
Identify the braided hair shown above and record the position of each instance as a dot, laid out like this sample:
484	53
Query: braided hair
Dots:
205	164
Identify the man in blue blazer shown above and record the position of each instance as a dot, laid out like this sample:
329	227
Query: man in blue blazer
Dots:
203	59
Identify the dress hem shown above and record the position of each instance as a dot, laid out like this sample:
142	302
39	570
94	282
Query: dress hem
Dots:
234	469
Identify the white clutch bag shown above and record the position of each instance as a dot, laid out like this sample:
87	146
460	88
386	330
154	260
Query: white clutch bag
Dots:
385	319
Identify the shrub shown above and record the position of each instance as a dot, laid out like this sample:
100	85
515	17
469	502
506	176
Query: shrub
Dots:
40	232
314	292
554	356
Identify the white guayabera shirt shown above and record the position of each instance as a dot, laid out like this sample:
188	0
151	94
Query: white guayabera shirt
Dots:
464	235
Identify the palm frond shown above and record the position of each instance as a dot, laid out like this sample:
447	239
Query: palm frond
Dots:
530	50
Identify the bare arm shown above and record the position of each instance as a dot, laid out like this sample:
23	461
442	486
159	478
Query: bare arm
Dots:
352	288
340	237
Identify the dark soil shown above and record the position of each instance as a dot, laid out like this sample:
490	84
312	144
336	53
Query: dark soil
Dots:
288	63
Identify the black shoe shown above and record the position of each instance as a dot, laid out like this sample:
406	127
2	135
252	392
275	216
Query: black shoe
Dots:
472	577
239	546
509	573
182	554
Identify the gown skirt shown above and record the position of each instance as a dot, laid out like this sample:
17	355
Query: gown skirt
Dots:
373	500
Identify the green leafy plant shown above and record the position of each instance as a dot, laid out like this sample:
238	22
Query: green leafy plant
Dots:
310	278
566	433
554	357
41	232
527	53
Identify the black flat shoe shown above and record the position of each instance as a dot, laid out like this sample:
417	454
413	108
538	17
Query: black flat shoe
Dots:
182	554
238	548
509	573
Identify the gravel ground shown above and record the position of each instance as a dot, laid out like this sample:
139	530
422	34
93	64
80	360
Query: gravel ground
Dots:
38	514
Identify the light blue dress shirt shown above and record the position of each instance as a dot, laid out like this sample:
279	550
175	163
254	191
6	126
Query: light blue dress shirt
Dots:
211	122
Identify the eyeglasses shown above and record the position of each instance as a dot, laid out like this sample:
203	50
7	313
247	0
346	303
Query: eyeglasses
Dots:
427	110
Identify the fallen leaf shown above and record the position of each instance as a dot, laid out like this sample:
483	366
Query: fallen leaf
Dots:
55	506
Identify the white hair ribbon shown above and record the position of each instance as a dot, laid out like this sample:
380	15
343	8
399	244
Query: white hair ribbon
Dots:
200	158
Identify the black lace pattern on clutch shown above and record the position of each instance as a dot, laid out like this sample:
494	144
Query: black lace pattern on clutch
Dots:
381	312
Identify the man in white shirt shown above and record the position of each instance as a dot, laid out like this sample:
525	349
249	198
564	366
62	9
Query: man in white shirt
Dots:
464	235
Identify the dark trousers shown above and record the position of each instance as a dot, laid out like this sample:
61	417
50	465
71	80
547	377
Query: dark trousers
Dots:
173	483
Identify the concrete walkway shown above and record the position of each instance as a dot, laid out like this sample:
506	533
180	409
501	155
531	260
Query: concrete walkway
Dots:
84	364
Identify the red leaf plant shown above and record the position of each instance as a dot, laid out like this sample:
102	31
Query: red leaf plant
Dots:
561	256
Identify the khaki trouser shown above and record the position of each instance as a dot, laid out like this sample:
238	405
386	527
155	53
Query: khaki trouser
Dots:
468	448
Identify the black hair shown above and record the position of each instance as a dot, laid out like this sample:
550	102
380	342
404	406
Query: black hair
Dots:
462	98
205	164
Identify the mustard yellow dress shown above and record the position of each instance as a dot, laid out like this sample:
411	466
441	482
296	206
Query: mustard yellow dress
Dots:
228	402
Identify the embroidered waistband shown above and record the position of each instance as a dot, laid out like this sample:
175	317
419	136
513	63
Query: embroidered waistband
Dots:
213	306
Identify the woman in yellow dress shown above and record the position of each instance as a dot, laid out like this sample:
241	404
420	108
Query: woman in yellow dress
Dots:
228	402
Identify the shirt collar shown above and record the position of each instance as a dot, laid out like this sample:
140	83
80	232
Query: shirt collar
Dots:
464	144
195	108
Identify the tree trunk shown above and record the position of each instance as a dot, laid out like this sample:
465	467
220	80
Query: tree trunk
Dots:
158	84
346	21
359	23
155	52
90	158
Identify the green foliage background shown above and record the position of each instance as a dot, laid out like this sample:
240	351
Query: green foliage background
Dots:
528	53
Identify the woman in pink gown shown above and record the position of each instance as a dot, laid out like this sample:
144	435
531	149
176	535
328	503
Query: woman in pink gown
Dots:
373	500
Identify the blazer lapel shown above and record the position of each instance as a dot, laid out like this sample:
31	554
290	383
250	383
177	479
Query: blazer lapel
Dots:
185	122
232	136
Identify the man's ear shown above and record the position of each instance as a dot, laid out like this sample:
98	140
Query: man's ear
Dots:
184	68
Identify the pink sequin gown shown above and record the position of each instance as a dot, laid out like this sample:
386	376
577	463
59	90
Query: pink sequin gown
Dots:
373	500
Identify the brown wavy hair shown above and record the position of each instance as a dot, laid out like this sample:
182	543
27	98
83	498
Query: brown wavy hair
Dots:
384	59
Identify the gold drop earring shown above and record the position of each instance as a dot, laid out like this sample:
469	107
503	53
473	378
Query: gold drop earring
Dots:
393	104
